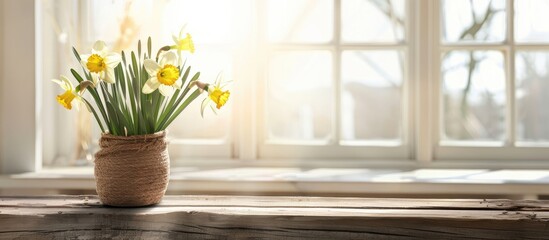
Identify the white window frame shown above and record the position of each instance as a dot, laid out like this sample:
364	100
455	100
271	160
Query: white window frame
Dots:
20	128
21	131
336	150
509	150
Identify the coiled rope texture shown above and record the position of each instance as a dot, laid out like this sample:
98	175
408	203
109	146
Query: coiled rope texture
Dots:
132	171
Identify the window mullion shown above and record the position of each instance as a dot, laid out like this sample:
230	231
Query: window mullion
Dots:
474	47
427	56
337	74
510	54
411	80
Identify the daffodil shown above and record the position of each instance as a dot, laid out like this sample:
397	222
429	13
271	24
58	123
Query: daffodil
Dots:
183	43
163	76
101	63
216	94
69	95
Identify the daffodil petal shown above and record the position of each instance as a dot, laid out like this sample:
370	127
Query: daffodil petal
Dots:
98	47
178	84
95	79
58	82
67	83
175	39
61	84
179	56
151	66
169	58
109	76
203	106
84	60
166	90
151	85
64	85
112	60
85	57
220	78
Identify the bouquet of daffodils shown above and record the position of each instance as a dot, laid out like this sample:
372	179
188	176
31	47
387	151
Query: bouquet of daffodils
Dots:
139	94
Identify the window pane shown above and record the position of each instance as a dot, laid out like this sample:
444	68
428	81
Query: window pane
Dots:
473	85
124	22
308	21
300	96
531	20
105	15
532	86
473	21
371	95
209	21
357	24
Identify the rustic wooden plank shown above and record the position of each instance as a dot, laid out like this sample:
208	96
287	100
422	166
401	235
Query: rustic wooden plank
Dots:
220	217
266	201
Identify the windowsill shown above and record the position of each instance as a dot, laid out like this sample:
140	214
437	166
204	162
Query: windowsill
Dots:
312	181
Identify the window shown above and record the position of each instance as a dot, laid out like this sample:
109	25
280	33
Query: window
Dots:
492	80
121	24
429	80
334	81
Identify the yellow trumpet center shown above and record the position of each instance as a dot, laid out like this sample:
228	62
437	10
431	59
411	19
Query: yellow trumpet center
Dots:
185	44
219	97
168	74
65	99
96	63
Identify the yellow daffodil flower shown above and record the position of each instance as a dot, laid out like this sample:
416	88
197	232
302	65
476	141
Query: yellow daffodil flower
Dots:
101	63
163	76
183	43
69	95
216	94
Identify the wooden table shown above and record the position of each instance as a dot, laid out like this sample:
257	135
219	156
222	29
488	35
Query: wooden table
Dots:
236	217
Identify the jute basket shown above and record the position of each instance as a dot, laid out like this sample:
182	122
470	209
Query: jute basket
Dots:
132	171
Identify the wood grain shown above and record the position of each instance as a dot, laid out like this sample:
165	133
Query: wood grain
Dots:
237	217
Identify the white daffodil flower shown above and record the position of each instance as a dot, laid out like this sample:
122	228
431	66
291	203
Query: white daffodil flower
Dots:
163	76
69	95
101	63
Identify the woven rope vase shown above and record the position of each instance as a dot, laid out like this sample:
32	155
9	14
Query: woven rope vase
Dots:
132	171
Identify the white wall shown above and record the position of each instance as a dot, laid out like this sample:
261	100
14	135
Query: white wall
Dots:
1	78
17	86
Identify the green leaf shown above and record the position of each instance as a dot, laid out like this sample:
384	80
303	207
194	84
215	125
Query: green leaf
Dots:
123	54
77	76
184	105
120	81
139	48
131	94
149	46
113	122
76	54
113	118
134	65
